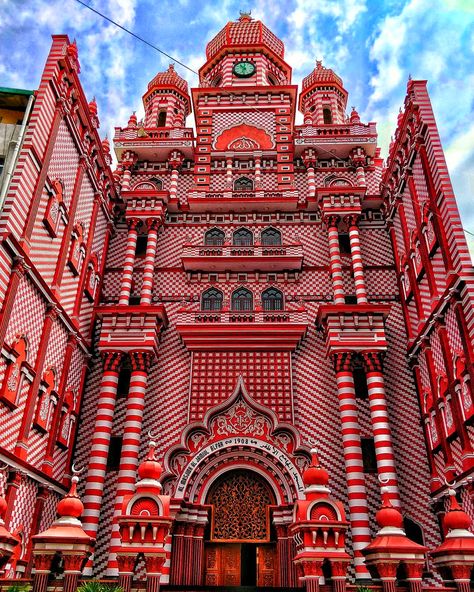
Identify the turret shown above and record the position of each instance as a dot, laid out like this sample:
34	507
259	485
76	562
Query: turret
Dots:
323	99
166	101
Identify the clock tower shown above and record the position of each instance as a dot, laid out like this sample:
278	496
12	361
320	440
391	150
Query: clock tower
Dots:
245	108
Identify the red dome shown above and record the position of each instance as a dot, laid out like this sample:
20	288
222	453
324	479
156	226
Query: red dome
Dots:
93	107
456	518
388	515
3	506
169	78
321	75
244	32
150	468
71	505
315	474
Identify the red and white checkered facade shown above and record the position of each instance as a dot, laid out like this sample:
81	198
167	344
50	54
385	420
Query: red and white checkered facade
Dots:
395	303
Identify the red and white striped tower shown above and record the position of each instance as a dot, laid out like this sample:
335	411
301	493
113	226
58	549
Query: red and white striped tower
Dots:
141	362
129	261
380	425
357	265
100	444
357	494
148	271
335	258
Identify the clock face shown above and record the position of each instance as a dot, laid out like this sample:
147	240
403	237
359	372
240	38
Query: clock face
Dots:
244	69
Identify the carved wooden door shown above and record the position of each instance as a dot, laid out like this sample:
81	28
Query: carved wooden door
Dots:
222	565
266	565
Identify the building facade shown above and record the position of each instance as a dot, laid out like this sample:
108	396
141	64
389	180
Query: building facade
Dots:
244	295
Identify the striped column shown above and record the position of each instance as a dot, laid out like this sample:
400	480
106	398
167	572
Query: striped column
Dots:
358	158
174	184
132	428
357	266
148	272
258	170
175	160
129	261
311	180
228	172
379	416
335	259
100	446
357	494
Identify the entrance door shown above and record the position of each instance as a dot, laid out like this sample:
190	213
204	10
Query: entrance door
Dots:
240	564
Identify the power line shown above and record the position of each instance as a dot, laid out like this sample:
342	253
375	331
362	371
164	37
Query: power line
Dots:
136	36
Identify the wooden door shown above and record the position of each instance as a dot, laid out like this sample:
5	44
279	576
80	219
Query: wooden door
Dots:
266	565
222	565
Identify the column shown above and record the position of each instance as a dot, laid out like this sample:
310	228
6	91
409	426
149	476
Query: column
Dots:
42	572
357	265
72	571
309	157
132	428
380	424
228	172
335	259
149	269
100	445
338	575
388	574
462	576
358	158
258	171
357	494
129	261
174	184
126	565
128	160
414	576
154	565
175	160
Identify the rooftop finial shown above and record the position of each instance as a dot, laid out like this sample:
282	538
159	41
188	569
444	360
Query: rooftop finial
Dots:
245	15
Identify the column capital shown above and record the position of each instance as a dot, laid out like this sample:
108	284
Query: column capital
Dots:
126	563
141	361
373	361
331	220
112	361
342	362
154	223
352	220
133	223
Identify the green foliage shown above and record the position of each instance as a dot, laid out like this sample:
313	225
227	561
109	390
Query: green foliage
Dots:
95	586
363	589
19	588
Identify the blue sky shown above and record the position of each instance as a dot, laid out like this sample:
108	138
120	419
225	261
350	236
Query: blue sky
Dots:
374	45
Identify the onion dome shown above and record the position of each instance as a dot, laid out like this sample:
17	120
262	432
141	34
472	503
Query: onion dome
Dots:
150	468
388	516
132	122
71	506
168	79
245	32
354	118
315	477
456	518
93	108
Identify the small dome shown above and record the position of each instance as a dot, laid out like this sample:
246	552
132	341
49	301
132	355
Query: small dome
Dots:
93	107
150	468
388	515
3	507
321	75
132	122
315	474
354	116
106	145
245	32
456	518
169	78
72	50
71	505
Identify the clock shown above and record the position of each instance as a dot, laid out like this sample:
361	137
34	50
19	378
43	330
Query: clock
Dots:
244	69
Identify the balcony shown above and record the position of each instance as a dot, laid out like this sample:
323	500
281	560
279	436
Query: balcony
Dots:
250	330
242	258
153	143
131	328
199	200
338	139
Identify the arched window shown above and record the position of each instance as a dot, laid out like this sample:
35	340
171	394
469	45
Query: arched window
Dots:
162	119
327	115
214	237
212	299
272	299
271	237
242	299
413	530
157	182
243	238
13	380
243	184
271	79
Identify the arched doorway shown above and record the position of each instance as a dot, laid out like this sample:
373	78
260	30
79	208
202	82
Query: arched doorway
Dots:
240	547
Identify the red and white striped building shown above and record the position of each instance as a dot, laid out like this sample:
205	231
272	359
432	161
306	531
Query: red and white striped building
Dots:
240	294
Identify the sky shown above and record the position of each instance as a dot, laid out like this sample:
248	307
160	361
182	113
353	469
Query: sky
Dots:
374	45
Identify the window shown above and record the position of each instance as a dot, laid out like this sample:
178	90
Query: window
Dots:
243	184
242	299
162	119
272	299
350	299
157	182
344	243
46	400
115	451
360	384
271	237
413	530
134	300
212	299
214	237
327	115
243	238
123	384
55	209
271	79
368	455
140	247
13	378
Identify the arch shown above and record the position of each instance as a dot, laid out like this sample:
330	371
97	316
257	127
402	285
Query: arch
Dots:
162	119
242	237
413	530
244	138
242	300
214	237
327	116
212	299
243	184
272	299
271	237
13	379
271	79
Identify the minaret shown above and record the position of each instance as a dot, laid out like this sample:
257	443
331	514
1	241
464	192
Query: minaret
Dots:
323	99
166	100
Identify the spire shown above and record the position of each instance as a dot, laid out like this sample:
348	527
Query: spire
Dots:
149	471
456	521
389	518
315	477
70	506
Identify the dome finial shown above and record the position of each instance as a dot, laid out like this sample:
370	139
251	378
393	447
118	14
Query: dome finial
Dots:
245	15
